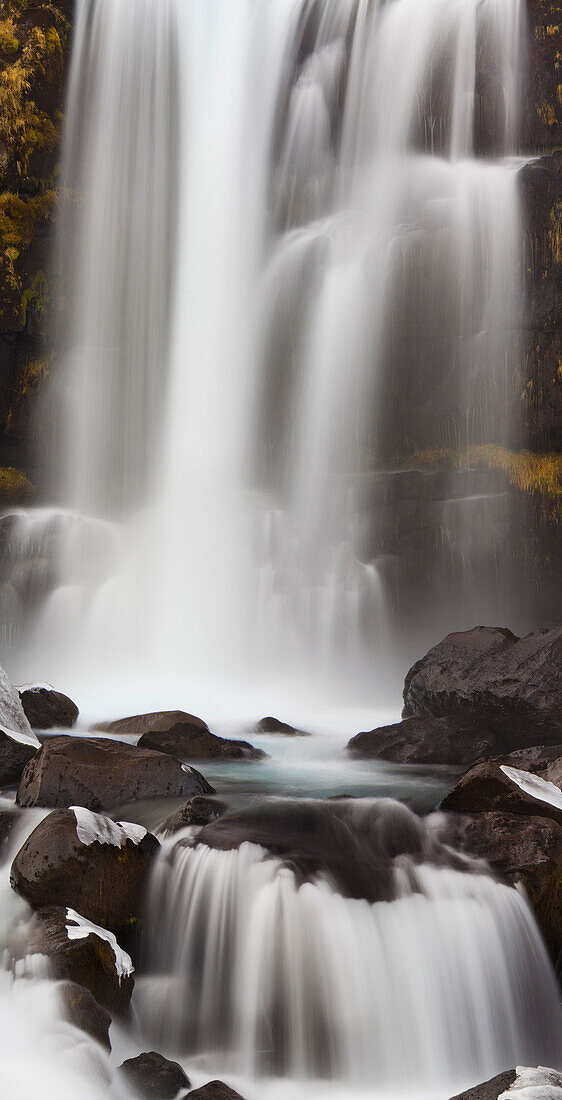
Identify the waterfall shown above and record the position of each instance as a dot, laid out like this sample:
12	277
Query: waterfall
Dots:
443	981
290	250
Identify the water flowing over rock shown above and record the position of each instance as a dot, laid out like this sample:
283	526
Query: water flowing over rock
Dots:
268	347
297	979
80	1008
513	685
98	773
83	860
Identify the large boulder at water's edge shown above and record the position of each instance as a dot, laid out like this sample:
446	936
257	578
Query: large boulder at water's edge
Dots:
46	708
99	773
80	859
182	735
79	951
215	1090
513	686
454	740
498	785
80	1008
274	725
17	741
152	1075
197	811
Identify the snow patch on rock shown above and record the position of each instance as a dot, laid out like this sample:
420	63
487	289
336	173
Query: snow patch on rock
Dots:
80	928
23	738
535	1083
92	827
534	786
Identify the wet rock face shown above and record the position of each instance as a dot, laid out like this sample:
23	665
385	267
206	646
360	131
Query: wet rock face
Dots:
86	861
90	960
449	740
14	755
197	811
192	743
353	843
274	725
215	1090
489	1090
488	787
152	1075
98	773
542	120
46	708
512	685
80	1008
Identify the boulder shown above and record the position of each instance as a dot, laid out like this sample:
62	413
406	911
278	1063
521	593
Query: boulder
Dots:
16	750
454	740
512	686
215	1090
273	725
80	859
526	850
81	952
197	811
80	1008
489	1090
159	721
152	1075
98	773
188	742
498	785
46	708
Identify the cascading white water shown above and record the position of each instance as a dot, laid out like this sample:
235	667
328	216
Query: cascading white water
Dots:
282	227
445	984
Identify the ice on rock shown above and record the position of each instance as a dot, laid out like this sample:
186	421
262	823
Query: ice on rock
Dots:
80	928
92	827
534	786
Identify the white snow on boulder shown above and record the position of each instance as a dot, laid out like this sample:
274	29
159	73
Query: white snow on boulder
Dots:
23	738
12	715
91	827
534	786
80	928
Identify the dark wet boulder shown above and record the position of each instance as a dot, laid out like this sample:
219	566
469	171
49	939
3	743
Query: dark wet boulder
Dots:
80	1008
16	750
197	811
187	742
489	1090
99	773
494	785
46	708
152	1075
513	686
215	1090
80	859
352	843
526	850
8	819
158	721
274	725
81	952
453	740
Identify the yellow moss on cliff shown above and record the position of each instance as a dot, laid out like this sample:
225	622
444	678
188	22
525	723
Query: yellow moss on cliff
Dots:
39	59
34	373
529	472
15	486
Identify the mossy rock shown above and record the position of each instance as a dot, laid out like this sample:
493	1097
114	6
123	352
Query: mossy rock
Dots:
15	486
